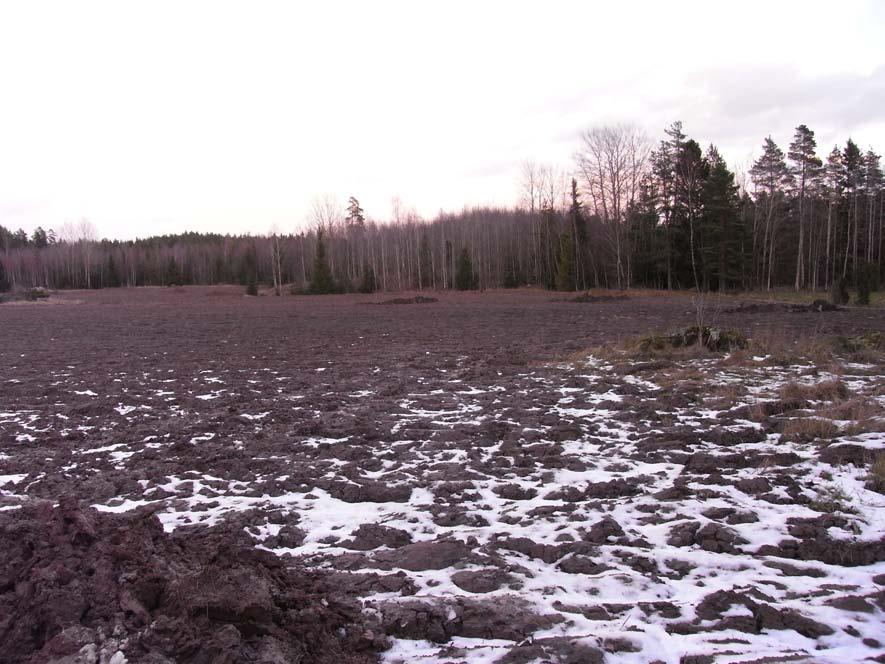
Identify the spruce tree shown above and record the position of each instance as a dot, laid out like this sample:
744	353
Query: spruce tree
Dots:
720	204
252	286
465	279
565	266
863	280
4	282
112	279
425	264
322	281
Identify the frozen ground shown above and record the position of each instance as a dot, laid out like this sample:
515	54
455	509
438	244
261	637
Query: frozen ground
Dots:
501	507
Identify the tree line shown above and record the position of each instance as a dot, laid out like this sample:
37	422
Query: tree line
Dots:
625	213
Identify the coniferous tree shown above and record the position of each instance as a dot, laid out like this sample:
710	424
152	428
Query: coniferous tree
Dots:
321	281
465	278
4	282
565	265
579	237
852	177
368	283
425	264
772	178
112	275
252	286
863	281
805	169
722	236
355	214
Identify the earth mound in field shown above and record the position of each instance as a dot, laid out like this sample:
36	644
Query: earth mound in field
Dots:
775	307
77	585
711	338
418	299
592	299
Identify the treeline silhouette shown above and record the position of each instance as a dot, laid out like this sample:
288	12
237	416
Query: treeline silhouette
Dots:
626	214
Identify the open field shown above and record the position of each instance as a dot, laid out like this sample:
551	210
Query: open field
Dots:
487	477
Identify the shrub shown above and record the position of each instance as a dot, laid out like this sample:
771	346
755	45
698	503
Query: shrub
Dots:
864	281
839	291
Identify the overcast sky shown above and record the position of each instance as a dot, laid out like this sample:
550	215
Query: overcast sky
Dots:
157	117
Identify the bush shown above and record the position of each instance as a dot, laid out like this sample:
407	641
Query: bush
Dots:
368	284
864	281
839	292
465	277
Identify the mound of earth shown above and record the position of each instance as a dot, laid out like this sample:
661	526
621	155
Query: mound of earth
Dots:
594	299
77	585
774	307
418	299
711	338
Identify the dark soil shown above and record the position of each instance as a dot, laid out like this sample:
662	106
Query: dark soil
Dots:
77	582
191	399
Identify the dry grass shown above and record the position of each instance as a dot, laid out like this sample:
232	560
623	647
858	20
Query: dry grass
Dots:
808	429
831	391
876	478
857	409
783	351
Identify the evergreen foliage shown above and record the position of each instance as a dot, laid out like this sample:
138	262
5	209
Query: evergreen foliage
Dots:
322	281
864	283
839	291
565	266
465	278
368	283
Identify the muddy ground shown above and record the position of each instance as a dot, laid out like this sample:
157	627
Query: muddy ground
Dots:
446	481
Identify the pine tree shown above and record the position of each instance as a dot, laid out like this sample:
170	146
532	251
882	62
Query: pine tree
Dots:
322	281
852	177
806	166
663	166
465	278
691	173
771	177
355	215
39	238
832	190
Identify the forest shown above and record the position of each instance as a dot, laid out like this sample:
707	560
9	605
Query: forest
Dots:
626	213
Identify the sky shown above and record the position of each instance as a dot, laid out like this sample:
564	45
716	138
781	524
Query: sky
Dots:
158	117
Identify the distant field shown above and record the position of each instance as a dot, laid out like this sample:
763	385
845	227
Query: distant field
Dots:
491	476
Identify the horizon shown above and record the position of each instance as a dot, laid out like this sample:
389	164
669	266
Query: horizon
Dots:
147	122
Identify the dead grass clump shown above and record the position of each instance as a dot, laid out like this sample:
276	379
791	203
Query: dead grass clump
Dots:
872	425
857	409
832	499
732	391
876	478
829	391
783	350
808	429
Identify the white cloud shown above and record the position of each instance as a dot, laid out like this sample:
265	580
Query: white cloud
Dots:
156	117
